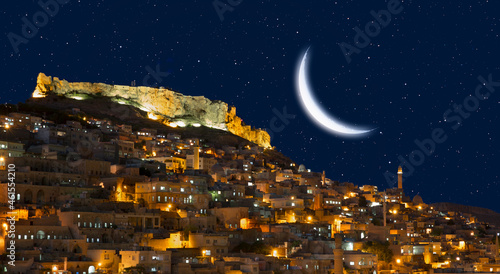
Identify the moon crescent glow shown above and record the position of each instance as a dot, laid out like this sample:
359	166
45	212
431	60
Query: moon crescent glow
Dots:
315	111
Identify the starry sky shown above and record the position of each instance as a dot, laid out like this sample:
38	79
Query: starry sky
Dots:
423	63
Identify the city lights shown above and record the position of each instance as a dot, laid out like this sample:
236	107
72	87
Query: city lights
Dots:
203	199
152	116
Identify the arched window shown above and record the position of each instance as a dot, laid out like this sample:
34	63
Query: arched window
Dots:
97	222
40	234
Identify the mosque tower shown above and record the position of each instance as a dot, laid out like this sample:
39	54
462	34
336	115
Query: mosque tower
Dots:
338	254
400	177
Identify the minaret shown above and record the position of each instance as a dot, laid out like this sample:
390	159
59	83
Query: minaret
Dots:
323	178
338	254
384	208
400	177
497	255
196	157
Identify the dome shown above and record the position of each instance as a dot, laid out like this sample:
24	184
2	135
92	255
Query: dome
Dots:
417	200
302	168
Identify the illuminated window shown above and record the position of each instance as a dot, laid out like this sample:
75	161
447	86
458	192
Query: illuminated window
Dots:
351	263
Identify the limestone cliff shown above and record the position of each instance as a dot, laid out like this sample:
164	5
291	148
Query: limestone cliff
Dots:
173	108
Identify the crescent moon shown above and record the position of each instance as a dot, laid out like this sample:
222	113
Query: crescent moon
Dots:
316	113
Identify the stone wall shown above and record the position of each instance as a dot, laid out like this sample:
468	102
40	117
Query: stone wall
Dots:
170	105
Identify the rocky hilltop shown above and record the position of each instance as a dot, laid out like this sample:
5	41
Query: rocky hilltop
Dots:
483	214
170	107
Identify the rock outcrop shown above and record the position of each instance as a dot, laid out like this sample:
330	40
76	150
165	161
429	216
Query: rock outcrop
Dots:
482	214
172	107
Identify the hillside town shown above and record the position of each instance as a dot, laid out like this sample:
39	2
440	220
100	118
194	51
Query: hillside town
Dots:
96	196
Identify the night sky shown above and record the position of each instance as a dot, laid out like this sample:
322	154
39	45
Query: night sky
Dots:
425	60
